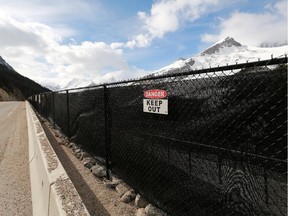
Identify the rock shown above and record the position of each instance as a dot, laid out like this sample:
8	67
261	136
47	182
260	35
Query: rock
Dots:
77	151
57	134
85	154
151	210
74	147
140	212
88	162
128	196
116	181
65	139
93	161
140	202
98	171
86	159
78	156
109	184
122	189
112	184
88	165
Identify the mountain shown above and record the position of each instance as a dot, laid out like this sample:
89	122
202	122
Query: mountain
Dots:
228	42
74	83
78	83
4	64
227	51
14	86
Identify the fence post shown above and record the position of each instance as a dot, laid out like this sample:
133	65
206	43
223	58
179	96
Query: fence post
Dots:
46	105
53	108
40	104
169	156
107	131
37	102
220	168
68	113
266	185
190	166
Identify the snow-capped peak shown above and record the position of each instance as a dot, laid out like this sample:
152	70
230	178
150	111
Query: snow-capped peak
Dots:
227	51
227	42
78	83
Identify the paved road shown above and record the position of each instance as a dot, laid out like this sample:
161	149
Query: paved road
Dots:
15	190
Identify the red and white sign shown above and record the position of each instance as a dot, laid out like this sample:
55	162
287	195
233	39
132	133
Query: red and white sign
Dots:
155	102
155	94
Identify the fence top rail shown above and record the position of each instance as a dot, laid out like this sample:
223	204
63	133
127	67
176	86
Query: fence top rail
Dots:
259	63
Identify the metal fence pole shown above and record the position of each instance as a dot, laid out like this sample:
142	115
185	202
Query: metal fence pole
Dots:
169	156
41	104
38	102
53	108
266	185
68	113
46	105
220	169
190	166
107	131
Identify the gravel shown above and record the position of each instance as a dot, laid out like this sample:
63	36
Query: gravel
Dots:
98	199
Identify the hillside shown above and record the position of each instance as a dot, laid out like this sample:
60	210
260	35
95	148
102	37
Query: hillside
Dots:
14	86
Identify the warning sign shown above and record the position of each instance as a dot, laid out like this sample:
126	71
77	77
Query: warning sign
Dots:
155	106
155	102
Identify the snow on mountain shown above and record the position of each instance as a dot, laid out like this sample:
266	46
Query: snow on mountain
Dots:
74	83
4	63
228	42
52	86
227	51
78	83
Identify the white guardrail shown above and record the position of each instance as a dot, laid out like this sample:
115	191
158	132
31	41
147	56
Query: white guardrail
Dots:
53	193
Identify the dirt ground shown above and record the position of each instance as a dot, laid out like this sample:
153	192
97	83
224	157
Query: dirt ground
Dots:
98	199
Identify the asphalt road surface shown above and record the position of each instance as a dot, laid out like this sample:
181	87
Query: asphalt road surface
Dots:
15	189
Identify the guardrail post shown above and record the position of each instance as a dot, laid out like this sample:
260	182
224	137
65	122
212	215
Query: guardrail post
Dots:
107	131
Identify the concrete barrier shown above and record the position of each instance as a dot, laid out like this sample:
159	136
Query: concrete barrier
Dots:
53	193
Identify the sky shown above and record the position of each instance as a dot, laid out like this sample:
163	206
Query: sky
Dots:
54	41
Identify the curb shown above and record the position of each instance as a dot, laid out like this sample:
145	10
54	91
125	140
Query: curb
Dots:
53	193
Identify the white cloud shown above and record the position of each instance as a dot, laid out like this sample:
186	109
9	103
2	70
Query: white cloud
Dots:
52	10
86	60
55	13
167	16
140	41
35	50
256	29
25	34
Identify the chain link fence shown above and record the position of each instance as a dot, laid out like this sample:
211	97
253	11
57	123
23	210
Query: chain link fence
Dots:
220	150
